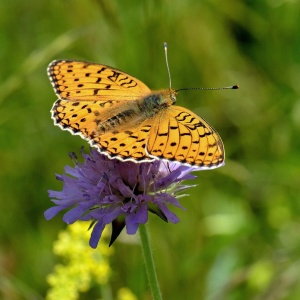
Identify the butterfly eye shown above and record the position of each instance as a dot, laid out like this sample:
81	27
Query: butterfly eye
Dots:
173	97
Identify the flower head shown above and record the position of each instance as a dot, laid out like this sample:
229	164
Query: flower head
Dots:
111	191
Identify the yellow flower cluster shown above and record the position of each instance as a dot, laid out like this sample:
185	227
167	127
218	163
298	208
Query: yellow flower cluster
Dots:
82	266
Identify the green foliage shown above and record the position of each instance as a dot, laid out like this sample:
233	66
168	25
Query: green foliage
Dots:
239	238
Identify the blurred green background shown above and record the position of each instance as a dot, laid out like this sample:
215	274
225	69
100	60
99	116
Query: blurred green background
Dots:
240	235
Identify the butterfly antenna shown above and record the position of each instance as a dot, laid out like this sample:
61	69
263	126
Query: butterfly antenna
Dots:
232	87
167	63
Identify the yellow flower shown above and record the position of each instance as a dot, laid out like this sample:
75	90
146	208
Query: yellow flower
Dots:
125	294
82	264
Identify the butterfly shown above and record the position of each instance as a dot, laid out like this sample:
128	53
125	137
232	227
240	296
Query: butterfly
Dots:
120	116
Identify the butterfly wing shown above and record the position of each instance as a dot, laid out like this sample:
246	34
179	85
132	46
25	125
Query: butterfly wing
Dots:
77	81
126	145
89	95
179	134
83	118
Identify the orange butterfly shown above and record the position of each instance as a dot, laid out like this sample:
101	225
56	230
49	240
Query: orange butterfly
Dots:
120	116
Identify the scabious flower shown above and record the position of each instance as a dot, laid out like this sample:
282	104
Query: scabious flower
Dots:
108	191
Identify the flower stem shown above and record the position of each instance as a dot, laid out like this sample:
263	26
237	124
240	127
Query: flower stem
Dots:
149	262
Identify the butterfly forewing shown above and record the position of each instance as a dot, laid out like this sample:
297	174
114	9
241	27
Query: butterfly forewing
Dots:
75	80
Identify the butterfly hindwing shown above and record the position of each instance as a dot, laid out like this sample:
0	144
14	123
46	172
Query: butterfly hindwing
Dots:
129	144
187	138
88	120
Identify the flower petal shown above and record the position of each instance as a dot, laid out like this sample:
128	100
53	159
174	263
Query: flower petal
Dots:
96	234
53	211
133	220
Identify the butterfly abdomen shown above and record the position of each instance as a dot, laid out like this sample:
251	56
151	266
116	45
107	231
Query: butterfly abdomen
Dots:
117	120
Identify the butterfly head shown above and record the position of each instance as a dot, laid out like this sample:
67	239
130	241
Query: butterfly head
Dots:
169	96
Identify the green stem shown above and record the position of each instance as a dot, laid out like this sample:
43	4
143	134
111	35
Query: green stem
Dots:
149	262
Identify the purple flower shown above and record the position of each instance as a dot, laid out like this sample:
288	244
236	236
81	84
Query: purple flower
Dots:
111	191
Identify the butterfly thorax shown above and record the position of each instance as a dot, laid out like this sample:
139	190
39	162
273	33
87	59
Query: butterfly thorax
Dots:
156	101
